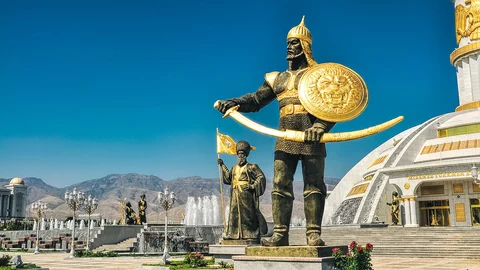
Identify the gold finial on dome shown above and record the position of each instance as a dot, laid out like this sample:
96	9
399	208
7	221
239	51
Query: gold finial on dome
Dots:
17	181
301	32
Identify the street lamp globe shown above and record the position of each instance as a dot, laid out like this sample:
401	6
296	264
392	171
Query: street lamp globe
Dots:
475	174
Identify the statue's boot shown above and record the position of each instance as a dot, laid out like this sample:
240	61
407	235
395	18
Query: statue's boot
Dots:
314	204
282	212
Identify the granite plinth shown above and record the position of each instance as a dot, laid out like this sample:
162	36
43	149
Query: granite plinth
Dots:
225	252
294	251
283	263
246	242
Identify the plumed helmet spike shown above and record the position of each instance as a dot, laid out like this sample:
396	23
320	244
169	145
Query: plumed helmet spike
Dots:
302	23
301	32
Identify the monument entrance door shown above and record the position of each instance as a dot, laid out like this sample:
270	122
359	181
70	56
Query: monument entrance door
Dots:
435	213
475	211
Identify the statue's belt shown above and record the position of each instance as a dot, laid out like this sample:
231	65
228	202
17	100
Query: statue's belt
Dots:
292	109
238	183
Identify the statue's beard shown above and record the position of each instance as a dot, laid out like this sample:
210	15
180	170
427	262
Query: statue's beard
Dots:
242	161
291	57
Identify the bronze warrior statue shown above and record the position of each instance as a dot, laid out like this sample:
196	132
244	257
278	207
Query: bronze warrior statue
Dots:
283	86
245	221
142	207
130	216
395	208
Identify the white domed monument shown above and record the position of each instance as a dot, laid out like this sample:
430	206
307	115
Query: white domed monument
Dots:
430	165
13	199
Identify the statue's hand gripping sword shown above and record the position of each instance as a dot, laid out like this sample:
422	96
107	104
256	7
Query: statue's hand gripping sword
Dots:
299	136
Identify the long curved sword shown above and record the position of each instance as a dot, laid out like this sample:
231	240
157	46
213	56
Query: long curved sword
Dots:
299	136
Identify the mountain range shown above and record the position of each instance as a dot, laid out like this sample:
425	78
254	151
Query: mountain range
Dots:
114	188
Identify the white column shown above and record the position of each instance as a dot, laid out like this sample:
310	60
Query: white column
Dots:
400	216
408	220
14	205
8	213
1	206
413	212
23	211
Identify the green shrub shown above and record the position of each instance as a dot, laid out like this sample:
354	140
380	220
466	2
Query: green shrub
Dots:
195	260
89	253
356	258
5	260
225	264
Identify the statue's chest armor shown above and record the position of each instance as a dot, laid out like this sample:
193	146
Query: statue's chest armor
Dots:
286	84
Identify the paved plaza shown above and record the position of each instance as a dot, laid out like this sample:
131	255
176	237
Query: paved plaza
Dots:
60	261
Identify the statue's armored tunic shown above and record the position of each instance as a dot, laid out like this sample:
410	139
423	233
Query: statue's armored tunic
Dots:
245	221
284	87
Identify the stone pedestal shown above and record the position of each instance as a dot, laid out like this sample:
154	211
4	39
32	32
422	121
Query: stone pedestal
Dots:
291	257
283	263
225	252
240	242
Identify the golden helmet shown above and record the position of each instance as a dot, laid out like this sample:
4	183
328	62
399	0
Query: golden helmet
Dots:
301	32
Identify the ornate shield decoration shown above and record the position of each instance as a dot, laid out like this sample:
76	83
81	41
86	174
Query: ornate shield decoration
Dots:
333	92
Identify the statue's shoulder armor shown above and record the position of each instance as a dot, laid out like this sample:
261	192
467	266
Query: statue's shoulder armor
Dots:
270	77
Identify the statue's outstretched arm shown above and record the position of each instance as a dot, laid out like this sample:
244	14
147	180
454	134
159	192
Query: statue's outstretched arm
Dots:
253	102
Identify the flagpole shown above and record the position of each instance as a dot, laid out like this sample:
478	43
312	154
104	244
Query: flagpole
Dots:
220	173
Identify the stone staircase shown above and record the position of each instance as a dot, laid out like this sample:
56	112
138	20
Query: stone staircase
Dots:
421	242
122	247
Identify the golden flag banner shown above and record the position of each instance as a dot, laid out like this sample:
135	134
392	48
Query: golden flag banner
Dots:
225	144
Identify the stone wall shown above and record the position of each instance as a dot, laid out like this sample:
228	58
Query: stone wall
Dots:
180	238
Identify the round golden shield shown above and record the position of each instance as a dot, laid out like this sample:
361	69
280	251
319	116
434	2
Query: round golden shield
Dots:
333	92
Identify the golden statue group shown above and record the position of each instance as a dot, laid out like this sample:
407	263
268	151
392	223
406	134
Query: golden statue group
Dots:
129	217
312	98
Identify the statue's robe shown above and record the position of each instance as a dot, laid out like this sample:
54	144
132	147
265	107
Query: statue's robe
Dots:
245	221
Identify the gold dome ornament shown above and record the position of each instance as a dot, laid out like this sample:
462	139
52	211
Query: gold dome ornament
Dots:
301	32
17	181
333	92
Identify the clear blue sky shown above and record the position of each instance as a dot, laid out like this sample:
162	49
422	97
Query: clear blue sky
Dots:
90	88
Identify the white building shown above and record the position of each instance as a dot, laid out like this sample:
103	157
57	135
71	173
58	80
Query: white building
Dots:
13	199
429	165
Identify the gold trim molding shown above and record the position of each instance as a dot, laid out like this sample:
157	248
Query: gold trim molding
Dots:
359	189
368	177
464	52
468	106
408	198
439	175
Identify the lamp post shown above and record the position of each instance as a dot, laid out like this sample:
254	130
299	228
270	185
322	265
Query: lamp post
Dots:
89	207
167	199
74	201
475	174
39	209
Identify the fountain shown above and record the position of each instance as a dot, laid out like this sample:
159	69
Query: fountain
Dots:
298	222
203	211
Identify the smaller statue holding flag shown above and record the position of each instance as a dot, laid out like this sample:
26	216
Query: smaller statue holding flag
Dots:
245	221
